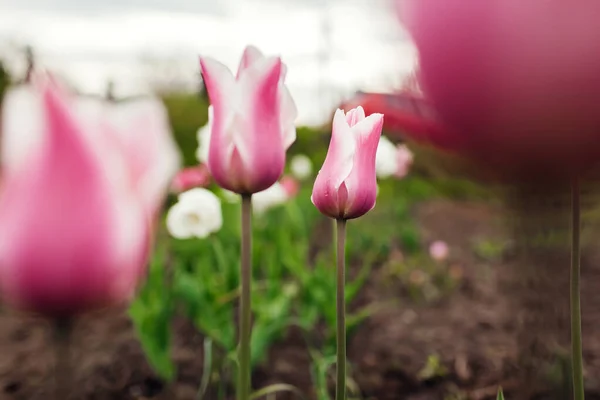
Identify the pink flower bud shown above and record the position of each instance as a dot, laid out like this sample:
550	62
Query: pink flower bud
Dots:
346	186
191	177
251	121
290	186
439	250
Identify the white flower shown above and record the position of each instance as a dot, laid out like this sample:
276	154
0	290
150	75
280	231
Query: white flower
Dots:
386	163
301	167
203	143
196	214
392	160
269	198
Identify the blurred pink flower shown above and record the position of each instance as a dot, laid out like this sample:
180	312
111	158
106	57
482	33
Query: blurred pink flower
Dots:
290	185
439	250
404	159
191	177
346	186
251	120
82	182
512	84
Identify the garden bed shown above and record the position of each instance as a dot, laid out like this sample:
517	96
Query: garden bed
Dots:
455	345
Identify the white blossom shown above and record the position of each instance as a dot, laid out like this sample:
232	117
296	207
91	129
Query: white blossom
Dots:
269	198
301	167
386	164
196	214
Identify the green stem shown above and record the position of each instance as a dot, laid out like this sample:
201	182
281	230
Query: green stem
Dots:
63	328
340	393
245	328
576	347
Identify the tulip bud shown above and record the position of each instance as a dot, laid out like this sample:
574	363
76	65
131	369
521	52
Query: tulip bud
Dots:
191	177
346	186
251	122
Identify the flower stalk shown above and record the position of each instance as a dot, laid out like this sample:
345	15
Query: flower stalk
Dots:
63	329
340	393
245	328
576	345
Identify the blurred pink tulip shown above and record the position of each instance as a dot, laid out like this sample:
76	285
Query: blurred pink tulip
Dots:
191	177
513	84
346	186
404	158
290	185
252	121
81	185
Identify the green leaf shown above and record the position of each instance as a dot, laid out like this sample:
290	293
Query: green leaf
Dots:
500	395
206	368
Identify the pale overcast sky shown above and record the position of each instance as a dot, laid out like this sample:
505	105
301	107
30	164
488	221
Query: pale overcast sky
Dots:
91	42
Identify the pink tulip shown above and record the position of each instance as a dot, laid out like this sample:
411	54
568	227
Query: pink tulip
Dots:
78	198
290	186
252	122
346	186
404	158
513	84
191	177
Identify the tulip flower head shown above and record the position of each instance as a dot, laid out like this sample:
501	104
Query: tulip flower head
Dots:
191	177
290	185
77	201
404	160
251	121
511	84
196	214
346	185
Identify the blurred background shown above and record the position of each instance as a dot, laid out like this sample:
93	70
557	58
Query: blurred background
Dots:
333	48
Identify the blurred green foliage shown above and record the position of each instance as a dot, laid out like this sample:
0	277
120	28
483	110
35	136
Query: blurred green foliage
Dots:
187	112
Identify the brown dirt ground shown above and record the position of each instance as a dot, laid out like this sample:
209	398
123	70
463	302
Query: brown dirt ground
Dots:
471	331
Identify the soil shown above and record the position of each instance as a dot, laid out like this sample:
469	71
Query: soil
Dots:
472	332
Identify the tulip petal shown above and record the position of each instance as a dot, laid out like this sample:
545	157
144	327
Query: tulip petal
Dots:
250	56
339	160
22	127
259	140
355	115
144	132
289	113
361	184
223	94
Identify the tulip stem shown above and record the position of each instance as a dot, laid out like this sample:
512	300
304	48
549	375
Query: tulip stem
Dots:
340	392
576	346
245	328
63	328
